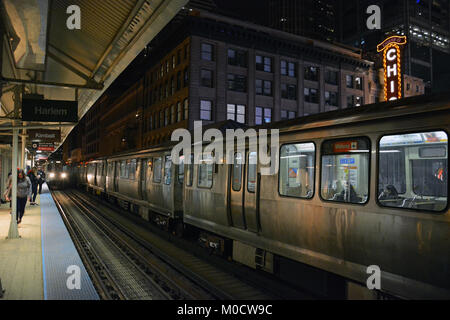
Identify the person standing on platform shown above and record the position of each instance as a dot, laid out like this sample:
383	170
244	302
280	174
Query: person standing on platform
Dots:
41	179
23	192
32	174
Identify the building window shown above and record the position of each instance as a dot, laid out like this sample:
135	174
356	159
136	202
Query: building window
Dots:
178	57
205	110
167	89
173	62
179	112
167	66
186	77
331	98
263	115
206	78
172	86
289	91
207	52
263	87
166	116
311	95
286	114
178	80
173	114
237	58
349	81
359	101
296	174
358	83
288	68
350	101
237	83
331	77
236	112
161	118
263	63
312	73
162	70
186	109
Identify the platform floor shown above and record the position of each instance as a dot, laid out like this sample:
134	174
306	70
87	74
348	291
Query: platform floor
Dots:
21	259
36	266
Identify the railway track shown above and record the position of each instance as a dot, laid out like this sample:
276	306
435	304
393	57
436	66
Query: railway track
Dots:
214	277
119	268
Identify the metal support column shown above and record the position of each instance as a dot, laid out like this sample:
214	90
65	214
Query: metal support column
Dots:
13	230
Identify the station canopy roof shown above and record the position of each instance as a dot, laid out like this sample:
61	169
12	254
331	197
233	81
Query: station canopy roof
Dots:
41	53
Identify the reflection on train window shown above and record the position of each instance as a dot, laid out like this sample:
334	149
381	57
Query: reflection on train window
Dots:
345	170
181	170
237	172
413	171
131	164
100	169
168	170
190	172
157	169
111	169
205	172
251	174
296	174
123	169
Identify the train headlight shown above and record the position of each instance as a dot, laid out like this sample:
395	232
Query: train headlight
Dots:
63	175
52	175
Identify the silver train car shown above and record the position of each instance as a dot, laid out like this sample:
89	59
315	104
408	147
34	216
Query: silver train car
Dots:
354	188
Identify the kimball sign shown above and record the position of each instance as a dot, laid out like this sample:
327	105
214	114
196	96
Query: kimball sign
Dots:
392	66
49	110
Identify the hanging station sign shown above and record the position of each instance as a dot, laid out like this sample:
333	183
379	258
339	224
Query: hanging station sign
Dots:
49	110
392	66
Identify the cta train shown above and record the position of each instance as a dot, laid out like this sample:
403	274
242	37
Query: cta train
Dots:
354	188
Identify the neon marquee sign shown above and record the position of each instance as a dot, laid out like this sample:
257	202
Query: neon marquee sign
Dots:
392	66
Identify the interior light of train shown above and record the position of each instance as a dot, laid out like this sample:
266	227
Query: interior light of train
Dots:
392	66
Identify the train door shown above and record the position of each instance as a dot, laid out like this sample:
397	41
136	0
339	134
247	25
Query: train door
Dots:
243	191
116	175
143	179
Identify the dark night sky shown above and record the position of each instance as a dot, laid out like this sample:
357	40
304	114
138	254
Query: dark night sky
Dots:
253	10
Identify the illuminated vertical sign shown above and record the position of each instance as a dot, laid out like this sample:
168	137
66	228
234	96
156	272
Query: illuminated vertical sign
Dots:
392	66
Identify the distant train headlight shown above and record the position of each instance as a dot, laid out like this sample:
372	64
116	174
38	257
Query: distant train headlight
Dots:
52	175
63	175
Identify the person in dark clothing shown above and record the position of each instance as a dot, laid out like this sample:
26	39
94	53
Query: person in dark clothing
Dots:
23	193
41	179
32	174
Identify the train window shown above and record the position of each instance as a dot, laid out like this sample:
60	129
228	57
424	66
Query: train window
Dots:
190	172
413	171
123	169
181	170
237	172
157	169
131	169
345	170
296	174
205	172
251	174
168	170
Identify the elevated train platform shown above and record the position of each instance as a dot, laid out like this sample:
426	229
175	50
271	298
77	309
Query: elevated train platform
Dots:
35	266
